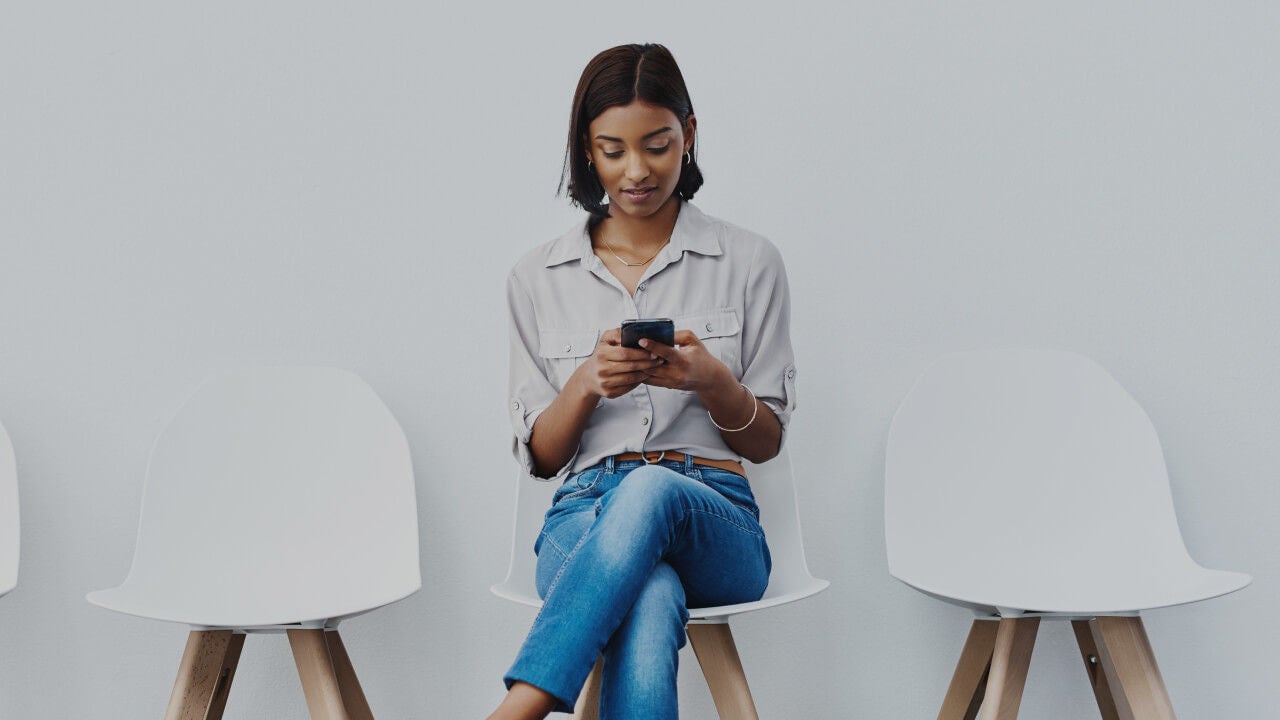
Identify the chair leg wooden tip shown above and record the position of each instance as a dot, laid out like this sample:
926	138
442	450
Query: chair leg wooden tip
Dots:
718	655
204	675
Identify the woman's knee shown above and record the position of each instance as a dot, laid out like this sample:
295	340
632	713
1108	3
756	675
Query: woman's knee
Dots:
651	485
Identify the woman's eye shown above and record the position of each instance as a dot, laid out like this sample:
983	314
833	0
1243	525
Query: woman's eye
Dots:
614	155
659	150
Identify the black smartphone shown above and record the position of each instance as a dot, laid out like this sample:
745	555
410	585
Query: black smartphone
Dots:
661	330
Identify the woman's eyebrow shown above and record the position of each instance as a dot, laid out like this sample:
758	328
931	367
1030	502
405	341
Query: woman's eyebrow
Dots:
646	137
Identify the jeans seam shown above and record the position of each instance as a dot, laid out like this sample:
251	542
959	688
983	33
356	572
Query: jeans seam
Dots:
556	580
573	495
580	492
741	526
546	538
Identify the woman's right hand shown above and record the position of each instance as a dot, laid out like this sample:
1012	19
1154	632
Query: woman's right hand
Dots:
613	370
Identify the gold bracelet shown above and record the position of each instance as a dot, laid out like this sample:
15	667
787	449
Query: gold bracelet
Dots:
755	408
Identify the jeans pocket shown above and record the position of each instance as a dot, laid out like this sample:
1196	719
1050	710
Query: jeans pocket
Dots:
578	485
732	487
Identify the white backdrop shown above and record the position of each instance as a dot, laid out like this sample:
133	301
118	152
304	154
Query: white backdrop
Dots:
188	189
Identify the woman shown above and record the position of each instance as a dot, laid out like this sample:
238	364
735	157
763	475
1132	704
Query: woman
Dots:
655	514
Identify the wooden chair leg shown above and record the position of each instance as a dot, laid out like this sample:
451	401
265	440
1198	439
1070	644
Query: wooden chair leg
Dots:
713	645
1131	670
588	706
1015	639
348	684
319	679
969	682
1092	656
204	676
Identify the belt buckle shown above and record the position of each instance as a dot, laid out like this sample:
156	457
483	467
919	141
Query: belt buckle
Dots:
645	458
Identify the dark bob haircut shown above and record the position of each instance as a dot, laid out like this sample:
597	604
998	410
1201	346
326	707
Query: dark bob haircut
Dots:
619	76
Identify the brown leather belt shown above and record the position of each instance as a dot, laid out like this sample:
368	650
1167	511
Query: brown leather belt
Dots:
732	466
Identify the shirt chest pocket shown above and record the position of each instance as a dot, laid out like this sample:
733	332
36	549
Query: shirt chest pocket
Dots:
720	331
562	351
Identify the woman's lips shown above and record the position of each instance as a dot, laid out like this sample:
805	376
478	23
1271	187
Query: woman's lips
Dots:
639	195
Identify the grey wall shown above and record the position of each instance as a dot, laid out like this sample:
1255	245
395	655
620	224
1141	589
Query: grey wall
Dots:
189	189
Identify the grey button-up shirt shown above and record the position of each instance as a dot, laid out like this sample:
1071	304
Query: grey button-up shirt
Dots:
726	284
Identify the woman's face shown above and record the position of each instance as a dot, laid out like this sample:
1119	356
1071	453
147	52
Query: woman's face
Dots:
638	150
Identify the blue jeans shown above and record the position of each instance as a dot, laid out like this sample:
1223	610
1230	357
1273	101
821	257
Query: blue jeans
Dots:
625	549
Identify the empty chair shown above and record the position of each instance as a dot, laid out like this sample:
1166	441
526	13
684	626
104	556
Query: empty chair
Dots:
1027	484
10	530
277	499
773	485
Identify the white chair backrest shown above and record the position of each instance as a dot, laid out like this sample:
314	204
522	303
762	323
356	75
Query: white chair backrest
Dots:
286	494
772	483
1012	470
10	527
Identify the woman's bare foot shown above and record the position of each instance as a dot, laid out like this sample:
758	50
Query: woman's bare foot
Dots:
524	702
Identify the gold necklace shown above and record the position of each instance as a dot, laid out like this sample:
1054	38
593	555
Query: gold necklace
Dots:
630	264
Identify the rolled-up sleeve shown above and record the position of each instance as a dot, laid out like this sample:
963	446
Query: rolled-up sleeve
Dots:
768	362
528	389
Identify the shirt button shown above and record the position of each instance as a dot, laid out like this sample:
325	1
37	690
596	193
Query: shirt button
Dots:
641	287
568	348
644	421
515	405
791	373
708	327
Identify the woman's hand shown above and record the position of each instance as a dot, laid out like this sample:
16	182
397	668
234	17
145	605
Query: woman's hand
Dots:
690	366
687	366
613	370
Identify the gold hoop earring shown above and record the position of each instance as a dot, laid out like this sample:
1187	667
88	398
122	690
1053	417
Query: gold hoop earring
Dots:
687	159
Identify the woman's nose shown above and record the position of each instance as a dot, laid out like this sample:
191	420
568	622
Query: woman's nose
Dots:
637	168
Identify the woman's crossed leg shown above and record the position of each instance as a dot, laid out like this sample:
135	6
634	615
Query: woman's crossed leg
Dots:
618	566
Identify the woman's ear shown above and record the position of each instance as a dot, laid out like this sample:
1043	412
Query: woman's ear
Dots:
690	129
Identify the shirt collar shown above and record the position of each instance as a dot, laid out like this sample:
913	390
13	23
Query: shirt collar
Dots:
694	232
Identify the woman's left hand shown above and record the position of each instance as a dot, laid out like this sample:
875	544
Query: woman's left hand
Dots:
687	366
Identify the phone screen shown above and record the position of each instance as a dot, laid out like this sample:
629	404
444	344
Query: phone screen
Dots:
661	330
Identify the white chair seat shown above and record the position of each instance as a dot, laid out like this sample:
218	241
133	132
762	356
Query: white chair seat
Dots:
1046	594
773	597
214	611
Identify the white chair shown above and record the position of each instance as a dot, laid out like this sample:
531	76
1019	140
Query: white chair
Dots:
773	484
10	528
1027	484
277	499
